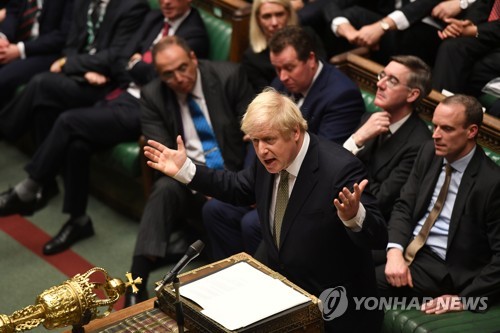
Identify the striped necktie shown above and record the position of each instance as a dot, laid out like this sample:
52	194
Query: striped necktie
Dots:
28	19
213	157
495	11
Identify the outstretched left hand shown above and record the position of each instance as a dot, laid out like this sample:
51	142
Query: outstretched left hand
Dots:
347	203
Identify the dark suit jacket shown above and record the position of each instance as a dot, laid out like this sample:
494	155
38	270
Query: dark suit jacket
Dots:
473	255
390	163
54	21
333	106
317	251
488	32
121	20
192	29
227	94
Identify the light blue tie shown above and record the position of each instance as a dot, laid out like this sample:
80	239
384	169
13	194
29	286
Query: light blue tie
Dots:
213	157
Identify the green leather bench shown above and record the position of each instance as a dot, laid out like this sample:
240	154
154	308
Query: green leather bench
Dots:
415	321
364	72
117	175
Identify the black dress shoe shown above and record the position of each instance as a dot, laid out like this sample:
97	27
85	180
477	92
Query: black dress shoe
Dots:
11	204
133	299
69	234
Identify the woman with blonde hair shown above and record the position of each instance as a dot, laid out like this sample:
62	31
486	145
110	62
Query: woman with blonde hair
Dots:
268	16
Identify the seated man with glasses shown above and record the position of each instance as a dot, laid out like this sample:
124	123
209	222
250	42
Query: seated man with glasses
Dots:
387	141
203	102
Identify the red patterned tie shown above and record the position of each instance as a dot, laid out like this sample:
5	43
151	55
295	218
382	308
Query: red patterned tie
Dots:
495	11
166	28
147	57
27	20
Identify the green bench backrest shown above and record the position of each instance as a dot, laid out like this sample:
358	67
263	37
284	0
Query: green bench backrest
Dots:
219	33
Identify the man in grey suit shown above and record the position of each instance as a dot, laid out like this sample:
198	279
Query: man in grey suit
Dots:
387	141
455	254
170	107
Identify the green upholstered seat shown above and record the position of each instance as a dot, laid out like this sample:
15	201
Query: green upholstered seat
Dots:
219	33
415	321
368	98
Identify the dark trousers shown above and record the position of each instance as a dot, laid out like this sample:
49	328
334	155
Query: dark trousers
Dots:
19	72
231	229
465	65
169	205
42	100
429	275
75	136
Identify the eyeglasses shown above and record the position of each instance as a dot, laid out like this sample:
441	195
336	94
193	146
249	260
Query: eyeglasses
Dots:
391	81
170	75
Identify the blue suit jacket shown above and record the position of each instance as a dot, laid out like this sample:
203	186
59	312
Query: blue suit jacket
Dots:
333	107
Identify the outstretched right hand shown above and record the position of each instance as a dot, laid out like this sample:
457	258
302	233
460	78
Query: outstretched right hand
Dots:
166	160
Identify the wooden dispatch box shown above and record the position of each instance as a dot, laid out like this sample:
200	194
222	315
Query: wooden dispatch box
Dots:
303	318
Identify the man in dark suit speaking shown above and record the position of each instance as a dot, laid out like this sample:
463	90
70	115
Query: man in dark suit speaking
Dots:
444	232
294	181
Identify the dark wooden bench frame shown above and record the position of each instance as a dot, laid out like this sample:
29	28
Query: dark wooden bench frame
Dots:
364	72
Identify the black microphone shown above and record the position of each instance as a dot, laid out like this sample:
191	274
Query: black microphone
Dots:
192	252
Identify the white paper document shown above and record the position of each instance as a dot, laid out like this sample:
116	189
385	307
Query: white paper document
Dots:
241	295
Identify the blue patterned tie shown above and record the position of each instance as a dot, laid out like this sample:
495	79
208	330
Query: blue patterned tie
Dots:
213	157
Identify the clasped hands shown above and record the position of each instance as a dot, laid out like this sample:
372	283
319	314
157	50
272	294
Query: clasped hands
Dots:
458	28
368	36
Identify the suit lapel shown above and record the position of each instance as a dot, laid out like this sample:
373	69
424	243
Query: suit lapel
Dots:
304	184
428	184
213	92
465	187
314	91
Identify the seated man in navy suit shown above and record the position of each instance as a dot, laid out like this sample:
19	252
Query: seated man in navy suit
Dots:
31	39
317	231
330	102
444	231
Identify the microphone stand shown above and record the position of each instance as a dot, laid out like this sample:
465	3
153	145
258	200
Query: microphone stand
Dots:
178	306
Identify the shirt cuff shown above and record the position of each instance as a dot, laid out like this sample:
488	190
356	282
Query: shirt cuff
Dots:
351	145
186	174
394	245
356	223
399	19
22	51
336	22
132	63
